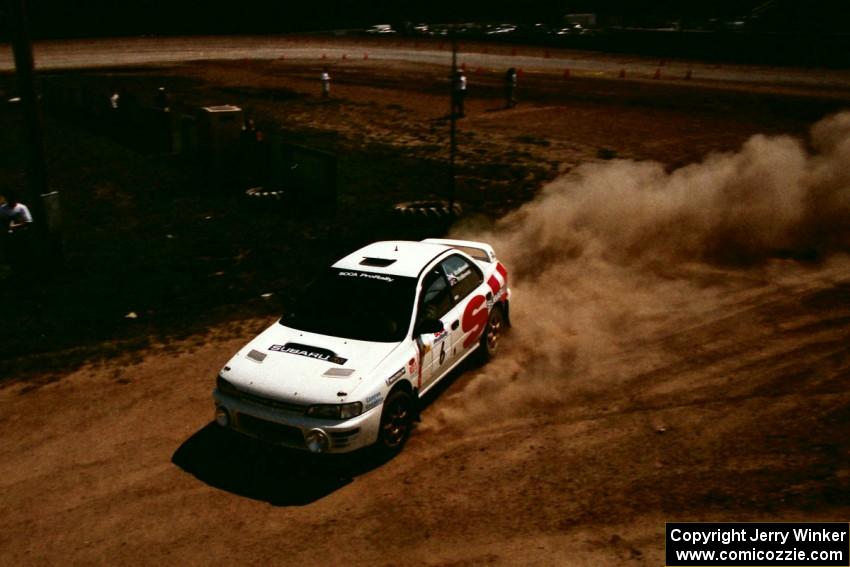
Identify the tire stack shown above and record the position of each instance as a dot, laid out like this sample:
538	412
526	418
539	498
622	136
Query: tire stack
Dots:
261	198
426	218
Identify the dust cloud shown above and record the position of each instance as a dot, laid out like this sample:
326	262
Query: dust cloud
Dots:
615	258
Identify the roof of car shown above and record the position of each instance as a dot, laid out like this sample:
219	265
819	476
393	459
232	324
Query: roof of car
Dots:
393	257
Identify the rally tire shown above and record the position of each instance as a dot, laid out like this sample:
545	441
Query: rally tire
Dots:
396	423
492	335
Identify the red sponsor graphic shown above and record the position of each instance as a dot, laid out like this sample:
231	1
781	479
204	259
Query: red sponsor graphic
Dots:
474	319
411	366
494	284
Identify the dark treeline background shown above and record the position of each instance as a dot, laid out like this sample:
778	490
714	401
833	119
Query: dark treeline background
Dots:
89	18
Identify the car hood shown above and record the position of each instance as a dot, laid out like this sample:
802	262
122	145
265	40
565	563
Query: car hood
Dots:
299	367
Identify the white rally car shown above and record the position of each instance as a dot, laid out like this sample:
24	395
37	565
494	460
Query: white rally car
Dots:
345	367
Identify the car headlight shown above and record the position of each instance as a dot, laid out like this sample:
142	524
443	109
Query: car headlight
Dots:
226	387
347	411
336	411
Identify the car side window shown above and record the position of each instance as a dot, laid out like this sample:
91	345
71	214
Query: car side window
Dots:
463	276
436	299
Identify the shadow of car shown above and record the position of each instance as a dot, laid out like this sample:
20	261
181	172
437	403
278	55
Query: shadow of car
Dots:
282	477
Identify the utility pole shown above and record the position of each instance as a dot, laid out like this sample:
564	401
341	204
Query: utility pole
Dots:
453	119
47	245
35	168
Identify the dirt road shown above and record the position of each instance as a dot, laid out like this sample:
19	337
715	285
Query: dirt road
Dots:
744	416
648	378
107	52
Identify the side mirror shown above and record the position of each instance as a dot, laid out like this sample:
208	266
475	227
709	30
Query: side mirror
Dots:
429	327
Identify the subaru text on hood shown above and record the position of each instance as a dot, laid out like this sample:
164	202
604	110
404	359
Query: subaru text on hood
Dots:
346	366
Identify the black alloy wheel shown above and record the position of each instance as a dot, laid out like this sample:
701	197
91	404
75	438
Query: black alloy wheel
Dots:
396	422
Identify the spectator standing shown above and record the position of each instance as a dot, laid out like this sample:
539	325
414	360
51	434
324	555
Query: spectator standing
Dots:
458	94
161	99
15	222
14	214
326	83
117	106
253	155
510	88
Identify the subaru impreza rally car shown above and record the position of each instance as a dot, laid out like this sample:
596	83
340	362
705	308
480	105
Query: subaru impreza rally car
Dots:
345	367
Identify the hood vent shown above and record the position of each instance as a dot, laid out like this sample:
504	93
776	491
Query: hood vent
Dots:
377	262
339	372
256	355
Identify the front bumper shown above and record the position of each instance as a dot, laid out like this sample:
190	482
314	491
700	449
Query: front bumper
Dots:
289	427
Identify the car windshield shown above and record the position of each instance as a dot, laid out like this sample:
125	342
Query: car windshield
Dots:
363	306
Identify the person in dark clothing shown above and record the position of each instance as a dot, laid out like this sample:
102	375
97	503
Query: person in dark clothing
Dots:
161	99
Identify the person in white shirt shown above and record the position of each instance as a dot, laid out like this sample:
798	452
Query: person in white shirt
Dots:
510	88
15	214
326	83
15	220
458	94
